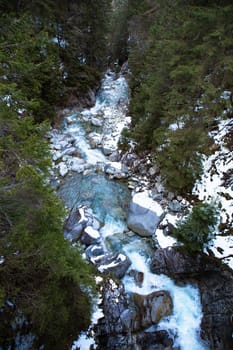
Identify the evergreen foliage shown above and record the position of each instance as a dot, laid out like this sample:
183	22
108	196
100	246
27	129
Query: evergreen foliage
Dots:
119	32
45	286
65	44
198	227
44	278
179	73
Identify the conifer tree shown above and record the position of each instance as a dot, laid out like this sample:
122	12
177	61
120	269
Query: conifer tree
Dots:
179	76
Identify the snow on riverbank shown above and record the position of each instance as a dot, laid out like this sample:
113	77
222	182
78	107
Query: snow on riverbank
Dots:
216	185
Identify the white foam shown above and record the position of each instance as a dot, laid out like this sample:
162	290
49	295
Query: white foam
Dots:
184	323
112	226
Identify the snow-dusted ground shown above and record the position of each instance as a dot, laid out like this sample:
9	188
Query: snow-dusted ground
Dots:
213	187
86	340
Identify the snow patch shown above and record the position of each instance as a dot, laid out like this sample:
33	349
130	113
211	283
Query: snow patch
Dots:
212	187
143	200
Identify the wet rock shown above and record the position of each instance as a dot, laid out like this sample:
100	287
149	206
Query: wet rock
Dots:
55	183
108	147
215	282
90	236
116	264
151	308
112	168
57	155
75	233
144	214
77	164
158	340
138	277
158	197
140	341
111	329
69	151
94	252
177	263
99	168
75	224
115	170
129	159
78	168
159	187
115	330
170	196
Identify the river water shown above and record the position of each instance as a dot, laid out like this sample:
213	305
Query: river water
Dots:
109	201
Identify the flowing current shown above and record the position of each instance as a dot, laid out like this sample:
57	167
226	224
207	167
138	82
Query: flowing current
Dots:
93	135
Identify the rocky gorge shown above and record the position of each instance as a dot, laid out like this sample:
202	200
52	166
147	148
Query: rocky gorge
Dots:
151	296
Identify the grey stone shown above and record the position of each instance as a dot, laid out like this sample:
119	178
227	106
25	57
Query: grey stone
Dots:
116	264
175	206
154	170
114	157
152	308
144	215
94	251
90	236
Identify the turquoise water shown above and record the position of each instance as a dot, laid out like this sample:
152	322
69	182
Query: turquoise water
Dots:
107	198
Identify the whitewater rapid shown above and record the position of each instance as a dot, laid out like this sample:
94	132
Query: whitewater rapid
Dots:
109	200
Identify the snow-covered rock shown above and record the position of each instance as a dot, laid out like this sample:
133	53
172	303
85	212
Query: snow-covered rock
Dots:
115	264
90	236
144	214
63	170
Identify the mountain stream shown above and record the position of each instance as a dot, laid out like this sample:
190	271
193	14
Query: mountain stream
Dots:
81	151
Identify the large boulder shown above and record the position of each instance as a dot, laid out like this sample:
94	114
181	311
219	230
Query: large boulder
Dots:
215	282
116	330
144	214
178	264
151	308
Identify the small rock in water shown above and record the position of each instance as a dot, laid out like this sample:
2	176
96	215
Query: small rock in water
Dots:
138	277
94	252
115	264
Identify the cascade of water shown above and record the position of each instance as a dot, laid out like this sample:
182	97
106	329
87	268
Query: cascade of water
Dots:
109	199
184	324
